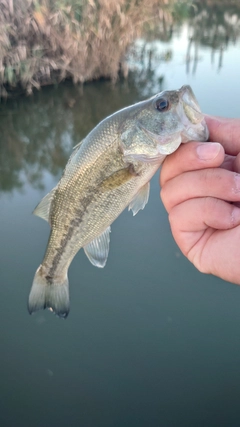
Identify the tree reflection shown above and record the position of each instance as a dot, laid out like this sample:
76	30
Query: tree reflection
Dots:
38	133
213	24
33	139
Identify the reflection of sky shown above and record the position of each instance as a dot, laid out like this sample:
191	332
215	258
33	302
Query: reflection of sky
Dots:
217	89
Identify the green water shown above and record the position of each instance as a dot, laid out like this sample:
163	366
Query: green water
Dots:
150	341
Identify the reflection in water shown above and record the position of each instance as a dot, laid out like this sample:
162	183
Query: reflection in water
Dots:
213	25
37	134
34	138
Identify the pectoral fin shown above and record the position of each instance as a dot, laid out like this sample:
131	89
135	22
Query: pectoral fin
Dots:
97	250
140	200
118	178
43	208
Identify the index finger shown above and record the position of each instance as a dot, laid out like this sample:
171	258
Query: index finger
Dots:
190	156
226	131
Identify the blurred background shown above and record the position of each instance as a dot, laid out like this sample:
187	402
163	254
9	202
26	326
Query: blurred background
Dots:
150	341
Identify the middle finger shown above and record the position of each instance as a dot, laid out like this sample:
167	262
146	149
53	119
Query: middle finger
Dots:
215	182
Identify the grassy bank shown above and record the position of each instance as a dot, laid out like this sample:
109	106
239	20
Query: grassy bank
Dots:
46	41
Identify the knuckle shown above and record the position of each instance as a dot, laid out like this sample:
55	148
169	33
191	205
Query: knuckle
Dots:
211	205
225	215
237	164
172	217
221	183
234	216
164	196
208	175
235	183
163	174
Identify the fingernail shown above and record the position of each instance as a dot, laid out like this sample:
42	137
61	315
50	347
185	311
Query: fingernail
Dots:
237	183
208	150
235	217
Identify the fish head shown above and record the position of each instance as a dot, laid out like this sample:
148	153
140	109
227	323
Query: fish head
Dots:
167	120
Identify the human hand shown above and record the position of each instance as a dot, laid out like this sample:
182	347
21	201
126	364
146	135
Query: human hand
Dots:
201	190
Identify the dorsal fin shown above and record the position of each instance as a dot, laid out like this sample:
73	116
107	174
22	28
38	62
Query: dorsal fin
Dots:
43	208
78	144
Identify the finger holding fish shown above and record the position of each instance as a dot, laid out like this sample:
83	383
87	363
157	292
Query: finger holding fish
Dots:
211	182
191	156
207	230
202	195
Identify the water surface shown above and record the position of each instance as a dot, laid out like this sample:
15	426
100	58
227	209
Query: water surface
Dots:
149	341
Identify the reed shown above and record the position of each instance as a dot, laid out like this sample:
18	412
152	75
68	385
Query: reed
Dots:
46	41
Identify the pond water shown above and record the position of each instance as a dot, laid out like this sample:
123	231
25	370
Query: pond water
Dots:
149	341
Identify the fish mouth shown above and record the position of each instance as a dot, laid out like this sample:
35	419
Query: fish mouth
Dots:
193	125
191	117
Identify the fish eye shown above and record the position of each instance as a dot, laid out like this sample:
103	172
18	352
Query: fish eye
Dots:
162	104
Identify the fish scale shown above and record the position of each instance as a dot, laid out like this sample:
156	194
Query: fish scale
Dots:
108	171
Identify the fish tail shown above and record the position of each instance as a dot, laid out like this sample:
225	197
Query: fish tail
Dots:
49	294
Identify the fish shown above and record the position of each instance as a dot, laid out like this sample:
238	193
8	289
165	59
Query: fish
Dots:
109	170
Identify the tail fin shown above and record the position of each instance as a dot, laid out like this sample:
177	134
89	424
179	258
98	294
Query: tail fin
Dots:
45	294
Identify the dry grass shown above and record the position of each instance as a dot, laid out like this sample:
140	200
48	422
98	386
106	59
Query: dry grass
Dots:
46	41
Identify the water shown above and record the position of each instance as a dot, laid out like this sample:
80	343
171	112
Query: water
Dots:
149	341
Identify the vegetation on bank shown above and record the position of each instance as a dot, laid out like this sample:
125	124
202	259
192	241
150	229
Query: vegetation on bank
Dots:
46	41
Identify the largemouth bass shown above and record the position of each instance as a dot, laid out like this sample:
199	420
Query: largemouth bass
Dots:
108	171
